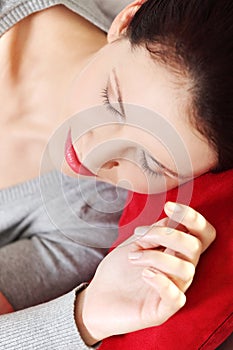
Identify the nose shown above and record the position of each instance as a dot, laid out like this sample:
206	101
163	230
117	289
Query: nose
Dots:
110	165
109	171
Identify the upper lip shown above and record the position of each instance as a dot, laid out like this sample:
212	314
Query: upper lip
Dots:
73	160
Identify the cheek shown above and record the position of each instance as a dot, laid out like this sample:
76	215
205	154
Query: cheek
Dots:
131	176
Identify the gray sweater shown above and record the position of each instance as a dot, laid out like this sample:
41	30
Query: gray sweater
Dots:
54	230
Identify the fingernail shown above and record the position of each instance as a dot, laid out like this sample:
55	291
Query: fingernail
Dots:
173	207
141	231
148	273
134	255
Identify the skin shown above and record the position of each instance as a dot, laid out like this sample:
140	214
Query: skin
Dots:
137	286
166	101
155	288
34	84
113	162
45	112
162	277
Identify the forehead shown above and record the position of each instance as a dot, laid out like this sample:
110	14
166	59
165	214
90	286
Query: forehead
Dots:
149	83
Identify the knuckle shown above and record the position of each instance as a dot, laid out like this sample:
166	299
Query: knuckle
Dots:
195	247
213	233
182	300
178	299
188	271
180	265
175	294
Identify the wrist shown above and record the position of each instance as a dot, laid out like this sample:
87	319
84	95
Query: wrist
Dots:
81	319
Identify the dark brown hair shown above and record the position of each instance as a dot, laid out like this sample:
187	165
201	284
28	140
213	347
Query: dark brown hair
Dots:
196	36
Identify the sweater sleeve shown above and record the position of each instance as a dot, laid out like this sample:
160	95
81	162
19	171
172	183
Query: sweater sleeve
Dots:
47	326
59	242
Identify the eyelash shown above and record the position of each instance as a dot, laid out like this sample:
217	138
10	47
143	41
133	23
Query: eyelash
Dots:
146	167
106	102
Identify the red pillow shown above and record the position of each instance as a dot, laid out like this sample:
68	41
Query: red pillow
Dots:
206	320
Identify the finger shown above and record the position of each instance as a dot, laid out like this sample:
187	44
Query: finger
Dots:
141	231
162	222
168	222
188	246
168	264
194	221
172	298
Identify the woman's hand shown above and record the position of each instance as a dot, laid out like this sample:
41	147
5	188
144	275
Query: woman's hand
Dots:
142	282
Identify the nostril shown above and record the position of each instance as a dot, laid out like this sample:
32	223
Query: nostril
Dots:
111	164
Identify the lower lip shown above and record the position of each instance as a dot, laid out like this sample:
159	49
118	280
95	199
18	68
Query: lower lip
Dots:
72	159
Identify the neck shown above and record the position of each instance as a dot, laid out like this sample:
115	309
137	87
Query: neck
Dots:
39	58
42	54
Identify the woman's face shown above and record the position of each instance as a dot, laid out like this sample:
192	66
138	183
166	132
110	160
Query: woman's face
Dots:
131	125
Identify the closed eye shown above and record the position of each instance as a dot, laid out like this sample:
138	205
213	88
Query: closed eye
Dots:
113	91
109	106
147	168
163	169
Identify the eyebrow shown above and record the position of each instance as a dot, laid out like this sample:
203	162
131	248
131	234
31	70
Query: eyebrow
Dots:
169	171
119	93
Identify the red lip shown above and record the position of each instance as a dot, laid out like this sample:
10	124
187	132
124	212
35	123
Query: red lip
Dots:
72	159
